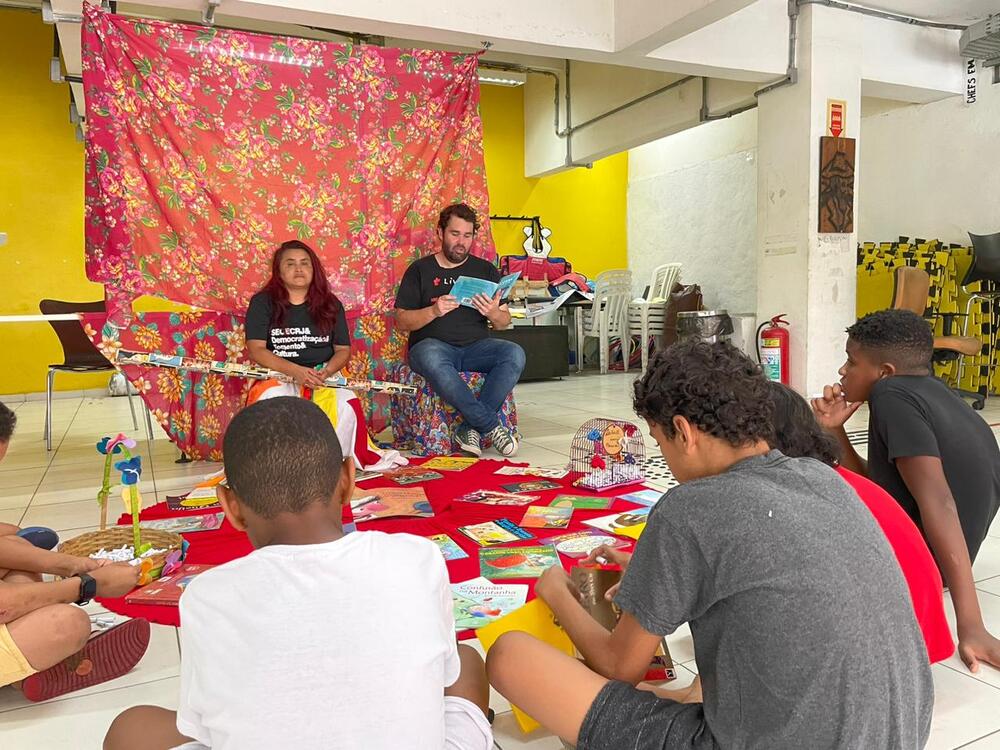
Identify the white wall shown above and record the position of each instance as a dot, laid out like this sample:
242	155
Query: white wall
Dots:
692	198
932	170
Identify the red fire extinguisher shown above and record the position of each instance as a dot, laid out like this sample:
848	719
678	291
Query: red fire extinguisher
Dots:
773	349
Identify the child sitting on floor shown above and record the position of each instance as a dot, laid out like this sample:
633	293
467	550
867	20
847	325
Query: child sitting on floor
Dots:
317	638
798	434
46	649
927	448
802	626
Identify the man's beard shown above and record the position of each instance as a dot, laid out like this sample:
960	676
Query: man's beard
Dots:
454	254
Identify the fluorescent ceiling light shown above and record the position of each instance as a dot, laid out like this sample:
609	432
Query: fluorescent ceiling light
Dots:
502	77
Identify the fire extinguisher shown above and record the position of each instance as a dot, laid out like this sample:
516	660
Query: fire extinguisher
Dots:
773	349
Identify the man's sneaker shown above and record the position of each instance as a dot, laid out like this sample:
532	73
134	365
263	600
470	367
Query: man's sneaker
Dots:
503	441
469	440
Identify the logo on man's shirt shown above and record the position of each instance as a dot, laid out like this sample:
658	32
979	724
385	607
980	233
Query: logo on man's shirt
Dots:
437	281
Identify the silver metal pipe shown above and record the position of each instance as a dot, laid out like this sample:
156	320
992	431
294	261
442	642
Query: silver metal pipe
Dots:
884	15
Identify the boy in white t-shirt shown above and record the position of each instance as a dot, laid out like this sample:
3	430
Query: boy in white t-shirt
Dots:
316	639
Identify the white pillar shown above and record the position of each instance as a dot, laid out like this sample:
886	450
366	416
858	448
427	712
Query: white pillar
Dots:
807	275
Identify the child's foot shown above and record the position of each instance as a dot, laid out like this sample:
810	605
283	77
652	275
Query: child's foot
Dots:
503	441
106	656
469	440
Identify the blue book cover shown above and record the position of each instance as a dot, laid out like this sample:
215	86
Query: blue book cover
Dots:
466	287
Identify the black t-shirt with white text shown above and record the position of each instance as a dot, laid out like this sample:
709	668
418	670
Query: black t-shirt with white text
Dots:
425	280
918	415
298	339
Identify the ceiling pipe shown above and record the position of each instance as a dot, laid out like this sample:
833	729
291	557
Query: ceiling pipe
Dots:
885	15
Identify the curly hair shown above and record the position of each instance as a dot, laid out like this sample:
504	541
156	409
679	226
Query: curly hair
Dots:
281	455
899	337
715	387
8	420
460	210
797	434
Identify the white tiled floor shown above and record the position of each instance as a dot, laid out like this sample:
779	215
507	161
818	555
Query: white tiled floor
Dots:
58	490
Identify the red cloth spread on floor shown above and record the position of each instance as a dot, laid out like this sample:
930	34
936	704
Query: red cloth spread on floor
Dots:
915	559
226	543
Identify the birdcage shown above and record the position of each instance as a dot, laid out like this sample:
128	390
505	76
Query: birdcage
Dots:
609	452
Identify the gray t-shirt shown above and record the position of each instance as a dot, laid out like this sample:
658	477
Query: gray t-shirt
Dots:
803	628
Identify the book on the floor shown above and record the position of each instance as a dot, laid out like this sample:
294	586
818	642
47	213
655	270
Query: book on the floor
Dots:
200	498
645	497
580	543
449	463
449	549
531	485
492	497
466	287
185	524
549	472
534	618
546	517
616	523
390	502
364	475
167	590
478	602
412	475
584	502
500	531
516	562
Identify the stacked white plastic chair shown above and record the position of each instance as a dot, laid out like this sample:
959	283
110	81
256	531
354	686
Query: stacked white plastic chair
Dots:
608	316
646	316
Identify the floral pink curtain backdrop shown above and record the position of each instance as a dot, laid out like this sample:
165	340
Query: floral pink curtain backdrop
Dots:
208	147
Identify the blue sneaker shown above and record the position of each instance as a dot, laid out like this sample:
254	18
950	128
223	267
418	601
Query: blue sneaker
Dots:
40	536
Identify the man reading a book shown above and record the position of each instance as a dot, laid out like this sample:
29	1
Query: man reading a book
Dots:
317	638
447	338
802	624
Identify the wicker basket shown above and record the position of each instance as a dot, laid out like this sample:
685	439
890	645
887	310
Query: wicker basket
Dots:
113	538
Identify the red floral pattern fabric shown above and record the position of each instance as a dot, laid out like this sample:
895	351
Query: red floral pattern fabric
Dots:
208	147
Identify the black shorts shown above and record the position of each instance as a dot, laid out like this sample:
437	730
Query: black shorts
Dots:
623	717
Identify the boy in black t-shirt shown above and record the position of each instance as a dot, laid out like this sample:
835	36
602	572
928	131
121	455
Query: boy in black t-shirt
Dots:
447	338
927	448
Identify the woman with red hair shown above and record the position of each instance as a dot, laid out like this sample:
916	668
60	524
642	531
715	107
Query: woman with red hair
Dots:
296	326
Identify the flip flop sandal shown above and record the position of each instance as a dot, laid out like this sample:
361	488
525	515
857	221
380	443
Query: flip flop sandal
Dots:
106	656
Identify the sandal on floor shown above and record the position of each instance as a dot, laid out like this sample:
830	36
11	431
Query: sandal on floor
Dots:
106	656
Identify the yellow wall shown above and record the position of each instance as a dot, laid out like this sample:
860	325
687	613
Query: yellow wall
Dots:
41	205
584	208
41	202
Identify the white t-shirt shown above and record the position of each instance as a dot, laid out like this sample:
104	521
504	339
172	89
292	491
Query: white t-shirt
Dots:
348	644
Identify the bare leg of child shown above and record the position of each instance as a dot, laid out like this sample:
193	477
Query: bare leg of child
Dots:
471	683
556	689
149	727
49	634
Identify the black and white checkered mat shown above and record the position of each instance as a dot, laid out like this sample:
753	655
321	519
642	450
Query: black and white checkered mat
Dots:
657	471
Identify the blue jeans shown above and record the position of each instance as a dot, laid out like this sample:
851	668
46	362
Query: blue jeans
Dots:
440	364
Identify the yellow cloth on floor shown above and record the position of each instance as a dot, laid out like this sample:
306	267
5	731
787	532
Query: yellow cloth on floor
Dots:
13	666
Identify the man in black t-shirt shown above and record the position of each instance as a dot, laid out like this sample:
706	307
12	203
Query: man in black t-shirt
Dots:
927	448
447	338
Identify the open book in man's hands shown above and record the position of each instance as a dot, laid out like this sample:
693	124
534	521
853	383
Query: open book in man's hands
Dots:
466	287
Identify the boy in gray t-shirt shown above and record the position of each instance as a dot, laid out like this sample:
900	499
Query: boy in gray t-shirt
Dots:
802	624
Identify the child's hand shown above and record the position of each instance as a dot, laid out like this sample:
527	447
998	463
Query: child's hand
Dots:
608	556
553	583
979	646
832	409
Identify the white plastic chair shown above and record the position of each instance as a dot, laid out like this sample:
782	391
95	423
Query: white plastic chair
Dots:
646	316
607	317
